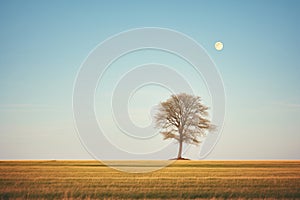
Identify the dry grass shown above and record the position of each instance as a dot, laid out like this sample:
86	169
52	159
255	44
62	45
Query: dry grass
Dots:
183	179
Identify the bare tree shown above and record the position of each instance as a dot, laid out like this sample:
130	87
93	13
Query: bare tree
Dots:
184	118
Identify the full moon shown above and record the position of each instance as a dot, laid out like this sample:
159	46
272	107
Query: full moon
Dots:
219	46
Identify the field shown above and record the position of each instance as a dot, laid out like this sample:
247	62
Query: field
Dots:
181	180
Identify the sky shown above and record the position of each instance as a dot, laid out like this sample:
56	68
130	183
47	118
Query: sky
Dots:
44	43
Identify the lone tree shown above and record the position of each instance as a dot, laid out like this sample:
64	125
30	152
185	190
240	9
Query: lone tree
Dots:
184	118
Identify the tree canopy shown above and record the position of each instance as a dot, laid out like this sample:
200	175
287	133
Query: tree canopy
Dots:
184	118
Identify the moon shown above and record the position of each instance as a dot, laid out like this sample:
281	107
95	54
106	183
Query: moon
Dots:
219	46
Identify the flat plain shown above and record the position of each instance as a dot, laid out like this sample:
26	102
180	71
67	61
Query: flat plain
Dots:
180	180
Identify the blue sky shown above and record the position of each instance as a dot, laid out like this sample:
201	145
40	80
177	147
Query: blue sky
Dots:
43	44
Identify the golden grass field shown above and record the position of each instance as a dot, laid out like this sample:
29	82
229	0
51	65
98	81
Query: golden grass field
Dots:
181	180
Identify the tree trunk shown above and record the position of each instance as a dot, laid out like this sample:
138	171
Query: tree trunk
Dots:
180	150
